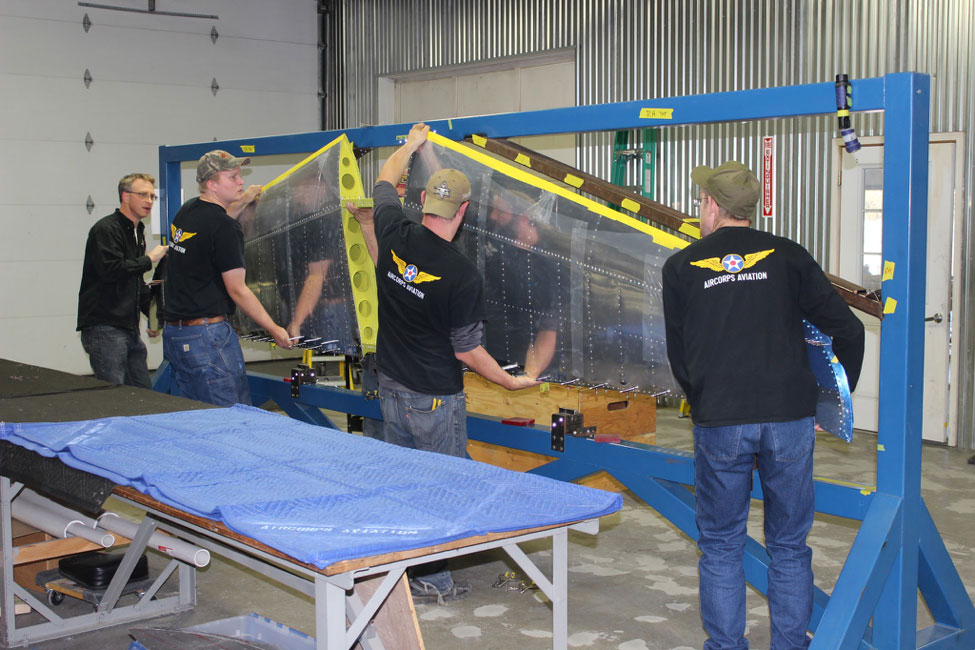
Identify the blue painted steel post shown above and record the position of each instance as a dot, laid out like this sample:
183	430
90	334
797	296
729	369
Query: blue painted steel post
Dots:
170	190
906	128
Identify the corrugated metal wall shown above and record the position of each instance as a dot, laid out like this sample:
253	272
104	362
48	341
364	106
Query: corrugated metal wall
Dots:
634	49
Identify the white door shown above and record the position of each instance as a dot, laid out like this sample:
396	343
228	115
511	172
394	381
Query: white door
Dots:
860	260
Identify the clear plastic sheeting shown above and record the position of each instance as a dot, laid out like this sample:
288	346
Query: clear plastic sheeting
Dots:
294	251
571	294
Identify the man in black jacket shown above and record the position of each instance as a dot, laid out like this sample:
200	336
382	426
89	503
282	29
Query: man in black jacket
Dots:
734	304
113	291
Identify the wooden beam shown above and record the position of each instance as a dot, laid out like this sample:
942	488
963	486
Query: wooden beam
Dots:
641	206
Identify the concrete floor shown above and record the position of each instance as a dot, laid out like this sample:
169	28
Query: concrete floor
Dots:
632	587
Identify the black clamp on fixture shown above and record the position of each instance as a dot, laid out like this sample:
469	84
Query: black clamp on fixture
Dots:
844	102
301	374
568	422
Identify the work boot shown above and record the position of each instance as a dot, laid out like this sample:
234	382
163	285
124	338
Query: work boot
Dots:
425	592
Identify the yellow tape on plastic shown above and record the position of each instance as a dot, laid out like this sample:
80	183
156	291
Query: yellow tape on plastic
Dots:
280	177
660	237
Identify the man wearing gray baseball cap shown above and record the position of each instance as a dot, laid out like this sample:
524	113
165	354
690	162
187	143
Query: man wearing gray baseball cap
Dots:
205	283
734	304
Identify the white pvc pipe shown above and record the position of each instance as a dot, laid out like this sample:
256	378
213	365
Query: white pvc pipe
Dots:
54	519
171	546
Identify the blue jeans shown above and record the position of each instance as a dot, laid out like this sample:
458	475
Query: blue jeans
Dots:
435	423
207	363
723	461
116	355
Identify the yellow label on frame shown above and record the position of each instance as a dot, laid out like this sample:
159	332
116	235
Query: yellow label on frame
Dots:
656	113
888	271
890	306
247	148
522	159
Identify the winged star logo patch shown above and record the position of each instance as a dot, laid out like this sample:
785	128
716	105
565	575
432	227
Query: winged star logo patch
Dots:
442	190
178	234
733	262
409	271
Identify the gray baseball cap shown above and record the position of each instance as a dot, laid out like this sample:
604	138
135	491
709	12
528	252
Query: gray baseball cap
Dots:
217	161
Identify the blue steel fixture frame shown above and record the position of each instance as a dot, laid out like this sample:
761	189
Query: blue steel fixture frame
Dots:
898	549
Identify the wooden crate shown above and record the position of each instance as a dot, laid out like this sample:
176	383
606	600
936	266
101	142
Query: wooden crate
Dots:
22	536
630	416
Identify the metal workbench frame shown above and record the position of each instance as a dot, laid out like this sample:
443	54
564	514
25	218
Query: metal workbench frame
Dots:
107	612
898	549
332	594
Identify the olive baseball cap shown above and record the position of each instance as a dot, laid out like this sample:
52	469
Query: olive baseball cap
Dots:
217	161
446	190
732	185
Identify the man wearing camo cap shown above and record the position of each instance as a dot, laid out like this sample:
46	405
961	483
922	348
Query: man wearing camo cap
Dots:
431	313
205	283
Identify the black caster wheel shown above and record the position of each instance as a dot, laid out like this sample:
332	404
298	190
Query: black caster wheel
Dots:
55	598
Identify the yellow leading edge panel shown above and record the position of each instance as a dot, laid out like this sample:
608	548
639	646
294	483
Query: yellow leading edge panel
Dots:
362	271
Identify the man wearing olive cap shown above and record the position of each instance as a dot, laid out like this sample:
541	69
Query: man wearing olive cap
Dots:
204	285
431	313
734	303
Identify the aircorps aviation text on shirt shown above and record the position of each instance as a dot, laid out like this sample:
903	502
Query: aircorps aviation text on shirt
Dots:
427	287
734	304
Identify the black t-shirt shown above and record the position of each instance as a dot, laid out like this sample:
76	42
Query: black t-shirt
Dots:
204	243
733	306
426	288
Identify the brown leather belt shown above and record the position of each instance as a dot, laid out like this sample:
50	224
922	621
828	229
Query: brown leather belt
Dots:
196	321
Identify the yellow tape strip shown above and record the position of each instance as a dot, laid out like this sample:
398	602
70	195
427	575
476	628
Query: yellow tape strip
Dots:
659	237
842	113
657	113
572	180
247	148
479	140
631	205
864	489
888	271
304	162
690	231
890	305
522	159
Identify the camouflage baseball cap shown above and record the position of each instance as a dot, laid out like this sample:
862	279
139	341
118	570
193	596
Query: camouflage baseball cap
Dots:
217	161
732	185
446	190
